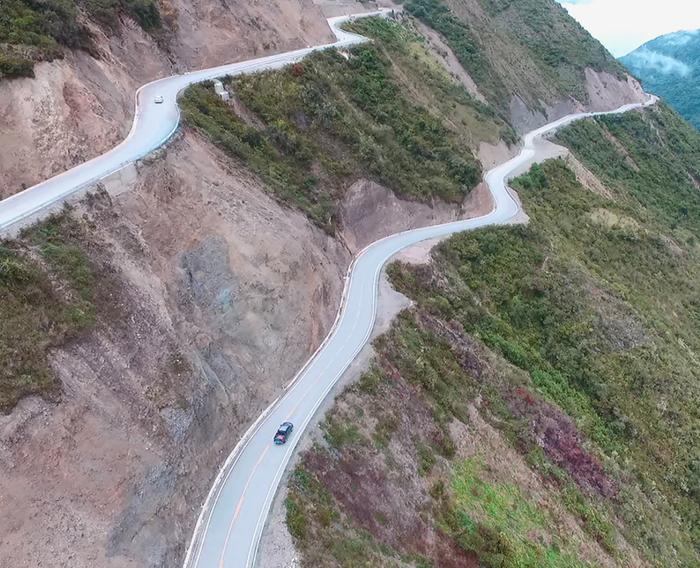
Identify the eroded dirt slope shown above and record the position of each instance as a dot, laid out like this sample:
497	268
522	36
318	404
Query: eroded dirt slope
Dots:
223	294
210	273
79	106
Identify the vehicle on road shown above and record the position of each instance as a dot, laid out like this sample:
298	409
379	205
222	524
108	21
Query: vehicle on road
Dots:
158	100
283	433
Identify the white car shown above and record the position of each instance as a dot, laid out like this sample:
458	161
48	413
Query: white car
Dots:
158	100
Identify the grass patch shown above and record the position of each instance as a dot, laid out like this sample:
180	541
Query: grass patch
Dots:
504	527
424	359
595	523
385	428
650	160
426	459
464	43
297	522
32	30
339	433
324	122
44	303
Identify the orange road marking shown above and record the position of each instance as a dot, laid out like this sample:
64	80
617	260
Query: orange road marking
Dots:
239	505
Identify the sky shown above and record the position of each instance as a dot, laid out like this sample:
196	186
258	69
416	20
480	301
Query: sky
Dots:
624	25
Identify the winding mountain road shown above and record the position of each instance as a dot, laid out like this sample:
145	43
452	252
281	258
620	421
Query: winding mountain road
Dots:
232	519
153	125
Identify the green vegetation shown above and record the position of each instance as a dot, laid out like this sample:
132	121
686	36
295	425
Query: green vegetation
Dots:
548	43
595	522
35	30
338	434
418	72
11	66
548	347
502	526
36	317
57	240
296	519
436	370
105	12
314	127
678	81
597	301
594	307
297	515
27	300
463	41
653	170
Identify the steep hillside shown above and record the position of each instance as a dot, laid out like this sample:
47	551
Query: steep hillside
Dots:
92	56
146	328
528	57
311	130
155	326
539	404
669	66
386	111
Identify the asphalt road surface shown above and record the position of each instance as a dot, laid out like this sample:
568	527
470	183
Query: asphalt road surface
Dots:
153	125
232	520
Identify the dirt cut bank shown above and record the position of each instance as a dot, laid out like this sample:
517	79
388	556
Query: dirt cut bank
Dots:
222	287
222	295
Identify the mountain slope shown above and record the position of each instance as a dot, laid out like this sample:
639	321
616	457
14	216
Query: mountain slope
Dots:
538	404
91	56
386	112
669	66
399	117
88	58
173	304
528	57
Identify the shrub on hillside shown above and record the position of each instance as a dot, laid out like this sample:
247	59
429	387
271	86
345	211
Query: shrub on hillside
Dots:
15	67
38	28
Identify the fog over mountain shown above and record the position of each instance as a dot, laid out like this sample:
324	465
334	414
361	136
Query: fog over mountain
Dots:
670	66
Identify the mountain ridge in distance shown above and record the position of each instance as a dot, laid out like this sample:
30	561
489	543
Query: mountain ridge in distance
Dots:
669	66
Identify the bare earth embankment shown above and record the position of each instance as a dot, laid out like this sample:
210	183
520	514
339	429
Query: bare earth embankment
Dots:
187	297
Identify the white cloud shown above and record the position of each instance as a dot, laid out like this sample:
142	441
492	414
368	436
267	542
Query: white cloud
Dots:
659	62
624	25
681	38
